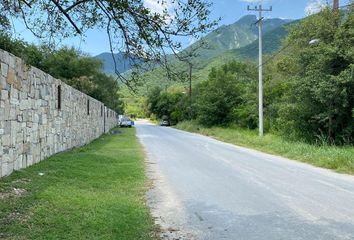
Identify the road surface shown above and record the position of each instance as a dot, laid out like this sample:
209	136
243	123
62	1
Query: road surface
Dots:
206	189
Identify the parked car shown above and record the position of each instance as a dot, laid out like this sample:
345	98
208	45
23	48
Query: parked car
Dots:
120	118
126	122
165	123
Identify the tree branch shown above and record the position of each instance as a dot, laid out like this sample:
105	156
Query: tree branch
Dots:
66	15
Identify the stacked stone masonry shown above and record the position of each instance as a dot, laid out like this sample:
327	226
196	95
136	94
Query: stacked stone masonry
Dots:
41	115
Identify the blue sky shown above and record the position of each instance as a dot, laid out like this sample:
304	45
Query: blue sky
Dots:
230	11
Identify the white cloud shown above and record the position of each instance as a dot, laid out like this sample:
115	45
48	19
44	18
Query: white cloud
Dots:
314	6
158	6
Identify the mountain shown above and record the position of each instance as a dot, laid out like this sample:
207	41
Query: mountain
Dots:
271	42
237	35
124	62
236	41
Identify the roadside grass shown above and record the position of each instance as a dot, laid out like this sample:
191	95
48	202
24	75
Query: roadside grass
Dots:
340	159
93	192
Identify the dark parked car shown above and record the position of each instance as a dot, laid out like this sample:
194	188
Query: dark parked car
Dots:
165	123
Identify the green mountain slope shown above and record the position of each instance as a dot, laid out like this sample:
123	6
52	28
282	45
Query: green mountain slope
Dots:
237	35
249	53
275	31
227	37
271	43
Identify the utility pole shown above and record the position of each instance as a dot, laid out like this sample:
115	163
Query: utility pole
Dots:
190	65
260	10
189	57
336	6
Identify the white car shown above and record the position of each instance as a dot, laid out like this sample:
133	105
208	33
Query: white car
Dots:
126	122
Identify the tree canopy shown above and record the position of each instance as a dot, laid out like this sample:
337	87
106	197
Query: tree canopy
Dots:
319	86
131	26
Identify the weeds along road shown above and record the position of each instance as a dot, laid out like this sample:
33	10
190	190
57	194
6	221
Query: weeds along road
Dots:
206	189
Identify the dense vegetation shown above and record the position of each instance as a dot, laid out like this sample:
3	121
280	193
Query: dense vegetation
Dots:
73	67
308	89
168	105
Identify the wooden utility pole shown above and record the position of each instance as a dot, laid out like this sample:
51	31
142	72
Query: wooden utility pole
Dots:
260	10
188	56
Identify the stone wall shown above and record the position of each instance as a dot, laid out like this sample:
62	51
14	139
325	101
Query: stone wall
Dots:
41	115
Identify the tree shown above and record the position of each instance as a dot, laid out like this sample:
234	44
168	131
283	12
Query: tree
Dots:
167	105
223	98
31	54
319	96
131	26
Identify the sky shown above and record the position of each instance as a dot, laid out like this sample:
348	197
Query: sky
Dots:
96	42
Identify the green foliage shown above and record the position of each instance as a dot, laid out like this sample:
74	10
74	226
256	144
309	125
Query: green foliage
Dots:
319	94
221	47
135	106
168	105
73	67
308	88
67	63
31	54
225	98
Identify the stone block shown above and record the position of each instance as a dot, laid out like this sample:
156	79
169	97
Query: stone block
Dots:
18	162
11	77
29	160
12	115
3	83
4	69
24	104
26	147
4	95
4	169
6	140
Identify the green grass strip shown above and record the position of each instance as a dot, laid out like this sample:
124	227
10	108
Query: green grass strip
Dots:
340	159
93	192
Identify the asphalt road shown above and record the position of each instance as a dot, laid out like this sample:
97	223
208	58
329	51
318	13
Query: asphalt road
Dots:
206	189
